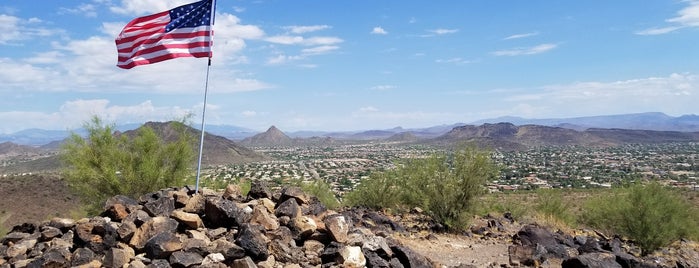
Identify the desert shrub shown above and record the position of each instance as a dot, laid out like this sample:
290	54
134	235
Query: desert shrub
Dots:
651	215
321	190
445	185
379	190
552	209
105	164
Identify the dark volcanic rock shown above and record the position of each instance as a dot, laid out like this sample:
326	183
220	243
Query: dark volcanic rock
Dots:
253	241
596	260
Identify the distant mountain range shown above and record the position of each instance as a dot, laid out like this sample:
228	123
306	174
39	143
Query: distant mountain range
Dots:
639	121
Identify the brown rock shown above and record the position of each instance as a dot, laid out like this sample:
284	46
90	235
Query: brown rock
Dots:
191	220
261	216
117	257
337	226
351	257
150	229
233	192
244	263
295	193
162	245
302	227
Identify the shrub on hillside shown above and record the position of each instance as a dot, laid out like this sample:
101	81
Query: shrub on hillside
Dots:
445	186
104	164
651	215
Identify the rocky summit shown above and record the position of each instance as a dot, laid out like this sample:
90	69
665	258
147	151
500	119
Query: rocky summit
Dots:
177	228
286	228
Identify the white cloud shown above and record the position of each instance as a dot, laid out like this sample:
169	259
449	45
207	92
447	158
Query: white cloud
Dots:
142	7
686	17
383	87
13	29
379	30
306	29
674	94
656	31
525	51
319	50
368	109
443	31
522	35
87	10
300	40
282	59
248	113
456	60
72	114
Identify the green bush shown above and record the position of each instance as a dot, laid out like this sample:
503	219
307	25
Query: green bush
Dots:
553	208
379	190
445	186
321	190
651	215
104	164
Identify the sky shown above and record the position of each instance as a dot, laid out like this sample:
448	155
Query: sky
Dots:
354	65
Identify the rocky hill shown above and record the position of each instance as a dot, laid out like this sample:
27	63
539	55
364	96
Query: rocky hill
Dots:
272	137
511	137
217	149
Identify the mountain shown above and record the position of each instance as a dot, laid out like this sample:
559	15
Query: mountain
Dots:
217	150
10	149
640	121
272	137
403	137
508	136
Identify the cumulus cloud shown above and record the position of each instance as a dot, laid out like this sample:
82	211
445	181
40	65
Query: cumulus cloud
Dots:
142	7
379	30
675	93
443	31
525	50
15	29
72	114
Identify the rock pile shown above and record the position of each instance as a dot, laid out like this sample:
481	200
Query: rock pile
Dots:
177	228
533	245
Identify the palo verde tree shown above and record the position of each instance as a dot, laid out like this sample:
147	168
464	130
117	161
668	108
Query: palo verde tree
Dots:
104	163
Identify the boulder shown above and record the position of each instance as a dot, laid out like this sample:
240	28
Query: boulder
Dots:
295	193
253	241
150	229
590	260
244	263
185	259
162	245
351	257
190	220
160	207
259	190
337	226
289	208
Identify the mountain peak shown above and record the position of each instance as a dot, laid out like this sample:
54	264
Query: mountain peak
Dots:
273	136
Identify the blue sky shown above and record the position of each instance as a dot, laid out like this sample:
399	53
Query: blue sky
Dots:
351	65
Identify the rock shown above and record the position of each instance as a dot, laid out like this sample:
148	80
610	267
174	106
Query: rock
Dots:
269	263
331	252
261	216
212	258
302	227
379	245
227	249
150	229
195	204
137	217
351	257
338	227
531	235
597	260
116	212
126	202
259	190
286	252
410	258
181	199
233	192
117	257
62	224
162	245
56	258
526	255
289	208
48	233
223	212
253	241
190	220
373	260
91	264
244	263
159	263
82	256
185	259
295	193
160	207
126	230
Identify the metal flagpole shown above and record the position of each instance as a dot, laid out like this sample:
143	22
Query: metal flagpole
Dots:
203	112
203	116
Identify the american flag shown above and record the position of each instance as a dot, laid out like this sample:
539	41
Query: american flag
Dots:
184	31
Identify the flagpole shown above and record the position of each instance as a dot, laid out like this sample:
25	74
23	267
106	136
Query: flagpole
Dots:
201	139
